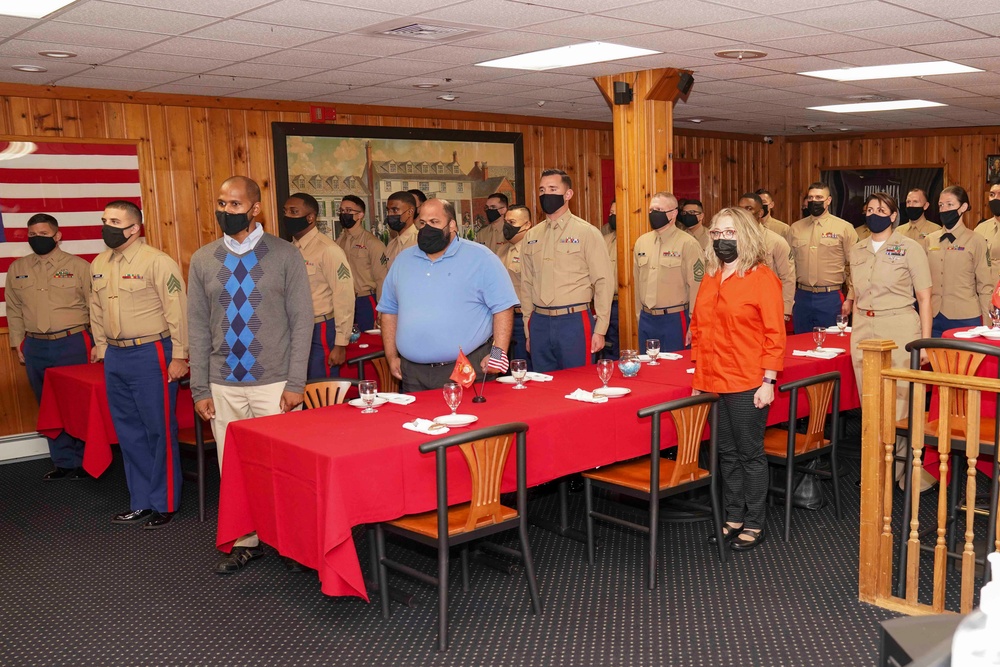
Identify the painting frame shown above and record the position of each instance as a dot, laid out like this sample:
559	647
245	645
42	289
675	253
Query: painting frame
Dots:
375	183
992	167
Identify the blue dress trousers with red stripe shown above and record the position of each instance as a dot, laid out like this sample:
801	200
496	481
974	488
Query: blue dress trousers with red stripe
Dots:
324	339
560	341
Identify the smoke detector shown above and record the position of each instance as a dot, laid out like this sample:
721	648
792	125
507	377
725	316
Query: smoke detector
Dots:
740	54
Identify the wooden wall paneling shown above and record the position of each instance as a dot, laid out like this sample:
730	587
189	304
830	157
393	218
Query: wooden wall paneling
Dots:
199	224
159	185
18	407
260	151
175	223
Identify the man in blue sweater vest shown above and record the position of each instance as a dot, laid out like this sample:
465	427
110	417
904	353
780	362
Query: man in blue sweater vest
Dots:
251	316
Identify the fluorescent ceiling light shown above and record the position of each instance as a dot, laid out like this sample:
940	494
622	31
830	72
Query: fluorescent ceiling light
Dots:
892	105
892	71
32	9
568	56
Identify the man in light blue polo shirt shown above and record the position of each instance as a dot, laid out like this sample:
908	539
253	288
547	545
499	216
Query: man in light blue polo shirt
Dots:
443	294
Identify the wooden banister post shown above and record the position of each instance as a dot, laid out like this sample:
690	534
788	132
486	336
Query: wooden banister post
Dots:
876	357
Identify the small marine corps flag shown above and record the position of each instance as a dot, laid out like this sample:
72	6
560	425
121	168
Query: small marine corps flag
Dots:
464	374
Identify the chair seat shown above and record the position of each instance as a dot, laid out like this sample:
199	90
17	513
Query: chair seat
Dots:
426	523
635	474
186	436
776	442
987	428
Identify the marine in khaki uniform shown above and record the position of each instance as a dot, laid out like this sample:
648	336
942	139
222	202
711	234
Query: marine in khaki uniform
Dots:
863	232
369	263
138	312
960	267
887	270
668	265
517	222
916	208
564	267
611	346
692	220
401	216
820	244
778	257
330	285
990	230
48	320
780	228
491	234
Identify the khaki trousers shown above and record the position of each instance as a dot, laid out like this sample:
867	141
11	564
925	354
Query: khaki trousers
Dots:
233	403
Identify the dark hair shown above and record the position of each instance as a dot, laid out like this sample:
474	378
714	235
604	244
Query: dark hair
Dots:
522	207
753	196
308	200
418	194
501	196
405	197
250	185
920	190
818	185
959	192
763	191
39	218
354	199
693	202
127	206
567	181
995	181
883	198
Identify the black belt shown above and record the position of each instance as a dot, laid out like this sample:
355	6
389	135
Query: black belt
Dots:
438	364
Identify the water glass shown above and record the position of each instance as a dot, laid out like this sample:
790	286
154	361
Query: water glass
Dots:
369	391
452	395
841	323
355	334
653	350
819	335
628	363
605	369
518	370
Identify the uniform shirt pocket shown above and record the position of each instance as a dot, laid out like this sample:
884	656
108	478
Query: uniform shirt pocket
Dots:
669	262
827	241
21	282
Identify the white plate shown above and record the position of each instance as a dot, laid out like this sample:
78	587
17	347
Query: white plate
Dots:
358	403
613	392
992	334
374	332
456	420
507	379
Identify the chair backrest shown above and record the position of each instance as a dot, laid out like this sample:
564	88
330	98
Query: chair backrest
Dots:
689	415
821	391
957	357
485	451
386	381
321	393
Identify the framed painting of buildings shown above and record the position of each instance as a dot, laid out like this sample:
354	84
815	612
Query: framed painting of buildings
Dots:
332	161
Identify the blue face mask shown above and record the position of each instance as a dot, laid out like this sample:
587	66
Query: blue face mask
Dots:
878	223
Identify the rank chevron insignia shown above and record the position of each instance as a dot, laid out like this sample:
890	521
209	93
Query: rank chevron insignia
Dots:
699	271
173	285
343	273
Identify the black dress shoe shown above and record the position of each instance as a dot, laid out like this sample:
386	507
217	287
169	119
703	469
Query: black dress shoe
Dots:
64	473
294	566
728	534
131	517
237	559
158	520
747	545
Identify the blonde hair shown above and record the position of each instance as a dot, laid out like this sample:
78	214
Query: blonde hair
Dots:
749	241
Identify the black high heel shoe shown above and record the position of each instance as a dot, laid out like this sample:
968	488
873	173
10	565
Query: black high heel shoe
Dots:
728	534
747	545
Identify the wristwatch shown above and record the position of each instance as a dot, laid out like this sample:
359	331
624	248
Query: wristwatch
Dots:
770	380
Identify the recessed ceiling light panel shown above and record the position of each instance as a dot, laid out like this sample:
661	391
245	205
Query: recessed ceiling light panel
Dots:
568	56
865	107
31	9
29	68
932	68
57	54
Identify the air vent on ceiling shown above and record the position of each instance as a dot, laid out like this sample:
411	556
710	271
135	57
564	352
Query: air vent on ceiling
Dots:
425	31
869	98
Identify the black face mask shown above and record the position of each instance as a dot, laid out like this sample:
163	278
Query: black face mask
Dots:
492	214
612	222
232	223
114	237
689	220
816	208
42	245
805	212
950	218
878	223
395	223
658	219
766	209
510	231
725	250
347	220
551	203
995	207
432	240
914	212
295	226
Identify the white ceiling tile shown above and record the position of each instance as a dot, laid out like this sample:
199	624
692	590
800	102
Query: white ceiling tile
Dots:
498	88
261	94
832	88
184	89
304	14
918	33
219	8
11	25
766	94
584	6
779	81
944	10
213	81
100	83
362	45
544	79
774	7
516	41
881	57
824	44
85	54
497	13
799	64
720	87
56	68
143	77
989	24
303	58
109	15
678	60
592	27
758	29
730	70
550	93
303	87
410	7
248	32
671	14
147	60
85	35
397	67
359	96
209	48
673	41
277	72
345	78
473	73
454	54
871	14
988	47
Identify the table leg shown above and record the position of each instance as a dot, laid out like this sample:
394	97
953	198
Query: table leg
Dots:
562	527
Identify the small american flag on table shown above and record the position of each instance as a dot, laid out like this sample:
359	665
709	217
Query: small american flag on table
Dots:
498	361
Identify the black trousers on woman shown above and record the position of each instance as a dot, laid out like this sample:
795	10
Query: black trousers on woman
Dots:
740	442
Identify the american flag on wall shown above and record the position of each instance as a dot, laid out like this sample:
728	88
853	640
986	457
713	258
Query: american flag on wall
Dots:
71	182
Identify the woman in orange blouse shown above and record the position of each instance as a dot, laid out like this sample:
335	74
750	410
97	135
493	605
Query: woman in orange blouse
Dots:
738	345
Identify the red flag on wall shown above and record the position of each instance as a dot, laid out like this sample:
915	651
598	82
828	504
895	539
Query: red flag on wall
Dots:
464	374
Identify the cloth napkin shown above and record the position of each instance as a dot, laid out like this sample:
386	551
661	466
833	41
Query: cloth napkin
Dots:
690	370
825	353
398	399
669	356
974	332
424	426
586	397
538	377
835	330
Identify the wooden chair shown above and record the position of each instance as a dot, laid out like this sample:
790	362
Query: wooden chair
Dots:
957	357
200	438
637	478
788	448
486	451
321	392
385	379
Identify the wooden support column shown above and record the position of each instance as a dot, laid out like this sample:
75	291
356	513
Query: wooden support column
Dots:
643	150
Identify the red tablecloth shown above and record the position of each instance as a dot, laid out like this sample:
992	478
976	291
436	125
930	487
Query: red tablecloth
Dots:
74	400
303	480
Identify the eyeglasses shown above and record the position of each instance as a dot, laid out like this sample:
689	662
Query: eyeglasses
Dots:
728	234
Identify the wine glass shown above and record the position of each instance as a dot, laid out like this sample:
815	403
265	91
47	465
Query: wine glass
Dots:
995	317
518	369
841	323
369	391
453	395
355	334
653	350
819	335
605	369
